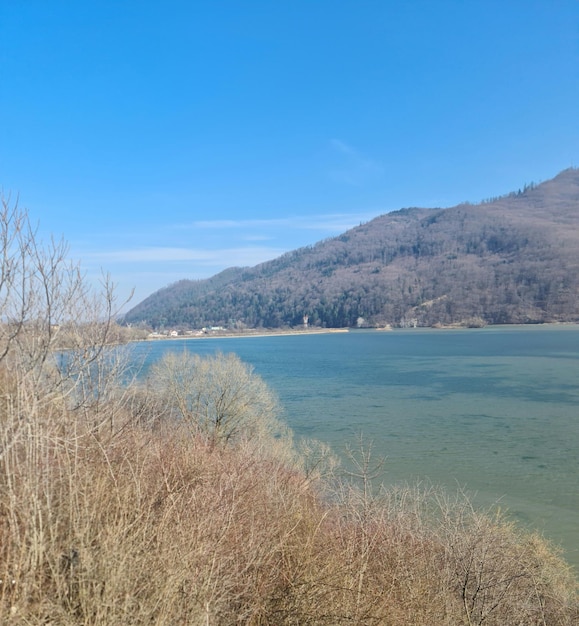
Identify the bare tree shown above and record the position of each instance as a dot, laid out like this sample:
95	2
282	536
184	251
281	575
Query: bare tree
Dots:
218	396
55	330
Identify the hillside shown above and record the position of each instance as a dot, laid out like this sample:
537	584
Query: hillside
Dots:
513	259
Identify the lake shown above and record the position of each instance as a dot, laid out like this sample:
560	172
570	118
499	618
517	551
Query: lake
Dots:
492	410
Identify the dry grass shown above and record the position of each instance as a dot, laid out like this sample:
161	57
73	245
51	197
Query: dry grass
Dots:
156	526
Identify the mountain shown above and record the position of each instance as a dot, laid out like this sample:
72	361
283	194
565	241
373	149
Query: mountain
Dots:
511	259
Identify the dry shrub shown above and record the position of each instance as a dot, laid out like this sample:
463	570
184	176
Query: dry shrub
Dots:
218	396
161	527
501	574
155	527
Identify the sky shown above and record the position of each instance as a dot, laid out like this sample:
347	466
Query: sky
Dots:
172	139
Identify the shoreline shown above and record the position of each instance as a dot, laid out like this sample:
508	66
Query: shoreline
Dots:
325	331
251	333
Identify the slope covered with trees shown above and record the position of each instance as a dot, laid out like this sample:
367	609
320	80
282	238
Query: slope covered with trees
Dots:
512	259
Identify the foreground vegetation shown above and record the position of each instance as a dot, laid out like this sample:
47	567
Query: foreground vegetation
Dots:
183	499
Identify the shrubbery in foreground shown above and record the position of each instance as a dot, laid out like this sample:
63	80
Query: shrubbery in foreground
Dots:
162	527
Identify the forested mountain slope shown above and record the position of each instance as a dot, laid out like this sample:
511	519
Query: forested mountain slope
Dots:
513	259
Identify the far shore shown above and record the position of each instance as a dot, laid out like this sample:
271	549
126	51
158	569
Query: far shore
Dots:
274	332
251	333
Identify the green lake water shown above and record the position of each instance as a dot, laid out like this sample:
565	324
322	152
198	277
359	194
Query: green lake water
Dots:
494	411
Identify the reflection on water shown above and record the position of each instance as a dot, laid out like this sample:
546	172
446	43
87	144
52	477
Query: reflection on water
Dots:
492	410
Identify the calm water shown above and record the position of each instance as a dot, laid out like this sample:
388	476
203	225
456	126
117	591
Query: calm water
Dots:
493	410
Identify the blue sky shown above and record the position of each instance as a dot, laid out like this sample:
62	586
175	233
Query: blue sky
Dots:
169	140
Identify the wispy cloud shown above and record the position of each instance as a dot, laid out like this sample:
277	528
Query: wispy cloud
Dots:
329	223
249	255
257	237
151	254
354	168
